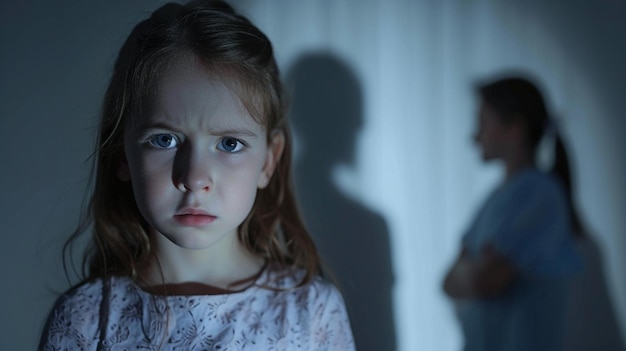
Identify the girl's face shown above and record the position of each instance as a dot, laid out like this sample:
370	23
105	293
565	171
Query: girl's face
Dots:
196	160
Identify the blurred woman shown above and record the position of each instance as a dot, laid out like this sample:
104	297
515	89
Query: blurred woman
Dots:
510	278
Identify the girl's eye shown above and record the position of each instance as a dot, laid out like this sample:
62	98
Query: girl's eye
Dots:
163	141
230	145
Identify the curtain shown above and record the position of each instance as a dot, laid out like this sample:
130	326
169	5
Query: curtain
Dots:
412	164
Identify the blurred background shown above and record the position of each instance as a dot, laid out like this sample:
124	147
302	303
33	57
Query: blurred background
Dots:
383	114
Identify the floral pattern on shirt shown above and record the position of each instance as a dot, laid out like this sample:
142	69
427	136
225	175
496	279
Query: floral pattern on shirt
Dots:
311	317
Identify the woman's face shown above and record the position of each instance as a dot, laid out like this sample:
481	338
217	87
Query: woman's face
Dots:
493	135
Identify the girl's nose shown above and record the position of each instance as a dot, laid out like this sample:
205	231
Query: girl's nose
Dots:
192	172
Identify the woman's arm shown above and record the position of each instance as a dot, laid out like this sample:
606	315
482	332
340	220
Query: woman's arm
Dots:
487	275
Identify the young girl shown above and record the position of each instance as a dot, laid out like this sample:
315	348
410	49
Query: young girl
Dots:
510	277
197	243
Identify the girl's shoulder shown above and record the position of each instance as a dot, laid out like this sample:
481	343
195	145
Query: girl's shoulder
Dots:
316	305
80	298
74	319
83	300
287	283
88	293
283	277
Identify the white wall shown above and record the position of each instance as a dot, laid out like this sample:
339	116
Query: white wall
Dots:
414	166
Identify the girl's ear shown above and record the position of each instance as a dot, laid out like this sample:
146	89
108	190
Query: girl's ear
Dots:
274	153
123	173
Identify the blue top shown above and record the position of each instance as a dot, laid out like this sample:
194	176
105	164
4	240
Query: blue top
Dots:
527	219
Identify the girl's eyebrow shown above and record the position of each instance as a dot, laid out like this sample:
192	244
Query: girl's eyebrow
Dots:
155	125
217	132
233	132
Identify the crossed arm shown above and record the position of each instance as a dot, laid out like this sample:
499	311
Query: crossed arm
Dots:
487	275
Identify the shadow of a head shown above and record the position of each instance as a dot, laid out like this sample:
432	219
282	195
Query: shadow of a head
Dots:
325	109
326	115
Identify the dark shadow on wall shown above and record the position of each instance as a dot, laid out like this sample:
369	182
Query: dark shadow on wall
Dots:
591	322
326	115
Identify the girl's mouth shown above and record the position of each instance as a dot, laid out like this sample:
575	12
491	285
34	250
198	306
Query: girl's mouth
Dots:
194	220
194	217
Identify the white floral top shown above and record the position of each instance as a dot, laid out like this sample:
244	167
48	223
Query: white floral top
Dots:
116	314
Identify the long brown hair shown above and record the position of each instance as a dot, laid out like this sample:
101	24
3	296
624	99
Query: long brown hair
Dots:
225	43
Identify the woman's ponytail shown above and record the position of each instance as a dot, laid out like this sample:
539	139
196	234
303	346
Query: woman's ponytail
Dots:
561	168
